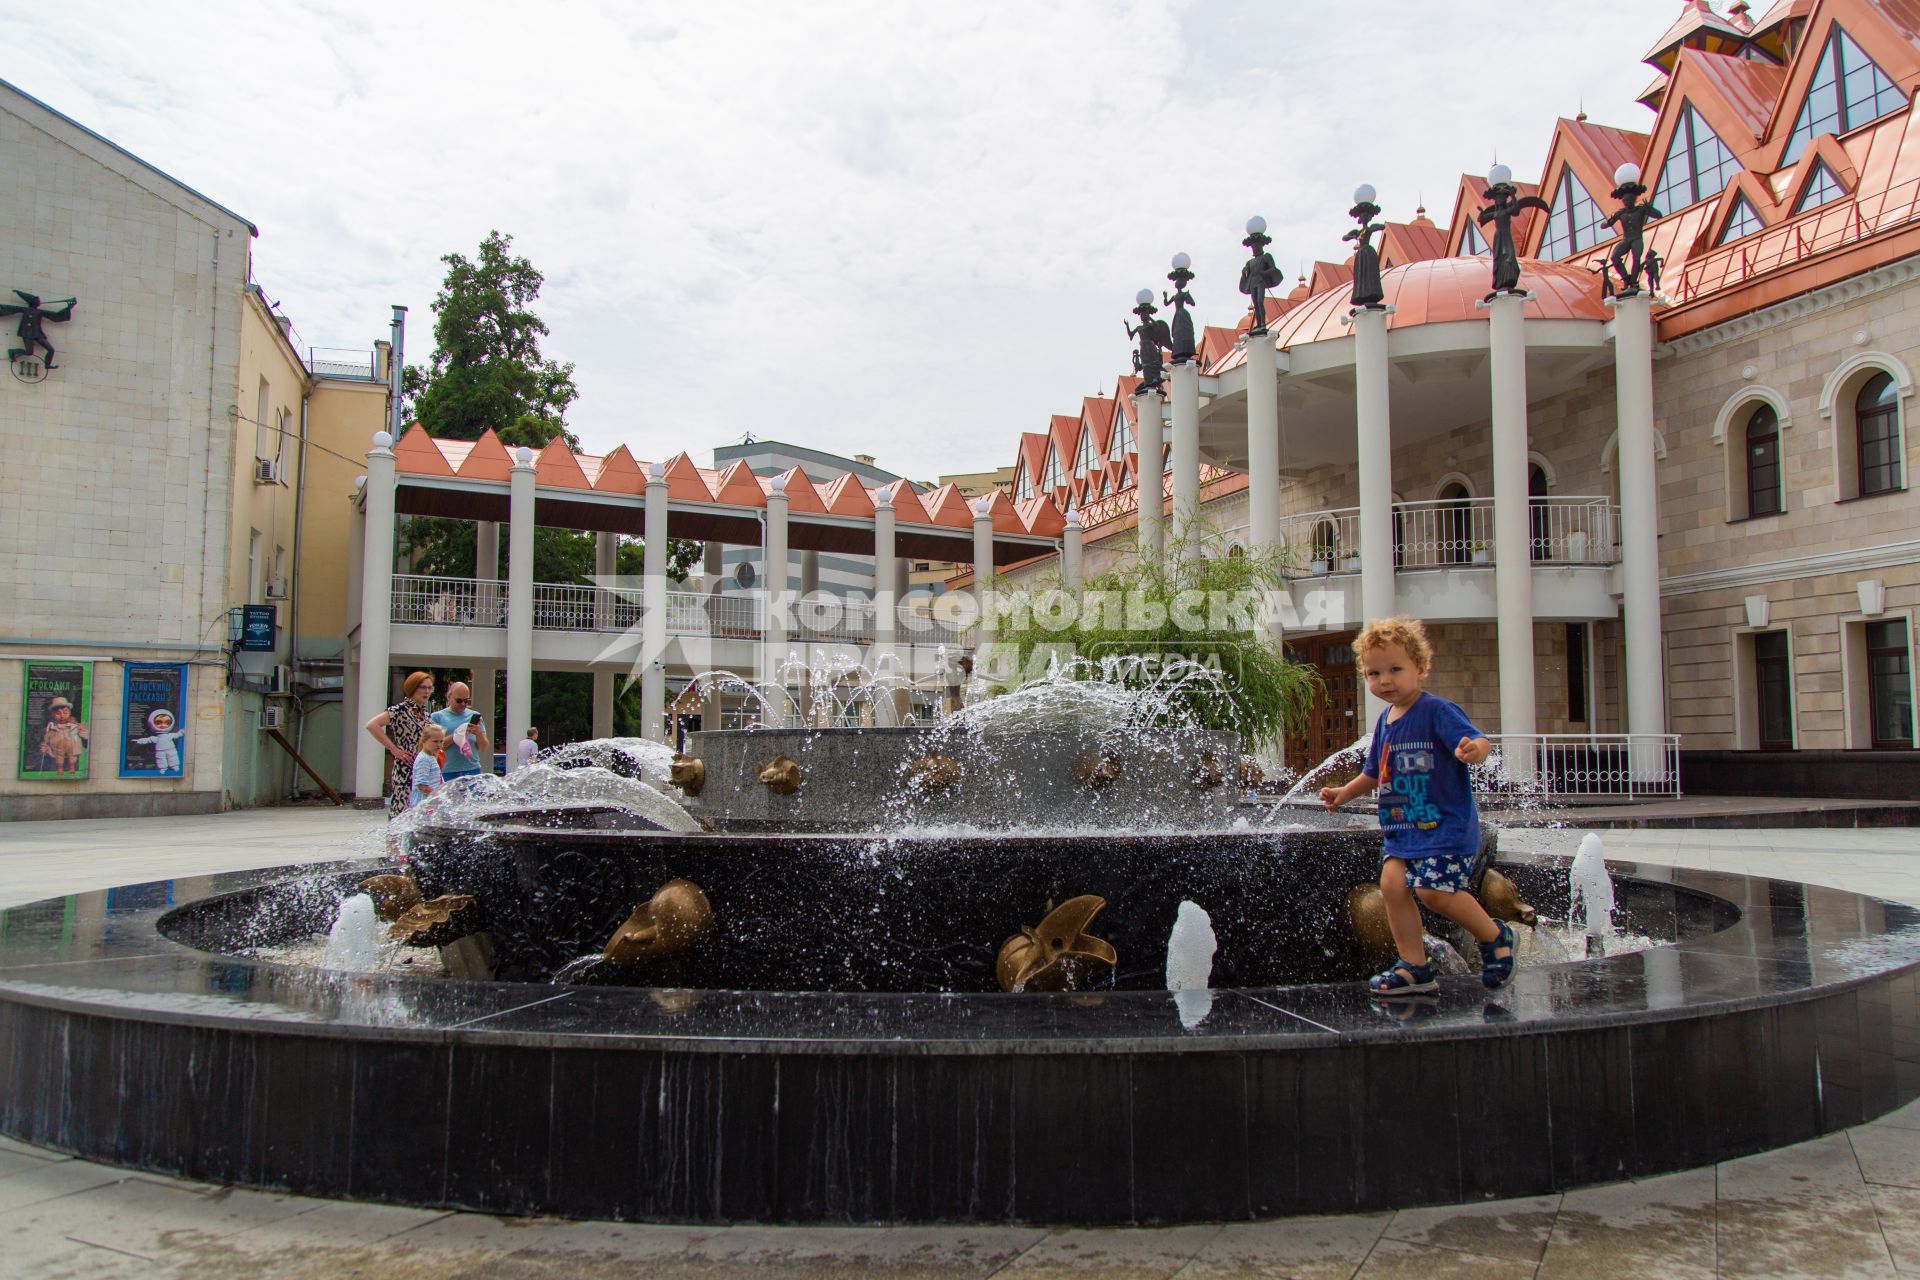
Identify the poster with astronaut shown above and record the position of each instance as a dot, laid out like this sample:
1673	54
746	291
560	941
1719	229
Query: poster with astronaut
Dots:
153	724
54	743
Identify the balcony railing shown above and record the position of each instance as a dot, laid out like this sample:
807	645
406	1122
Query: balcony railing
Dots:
449	602
332	362
1450	534
1581	766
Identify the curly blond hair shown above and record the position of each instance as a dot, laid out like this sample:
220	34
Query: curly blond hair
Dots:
1409	633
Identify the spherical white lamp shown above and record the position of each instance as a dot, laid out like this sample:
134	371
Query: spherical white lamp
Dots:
382	440
1181	262
1626	173
524	456
1143	298
1499	175
1256	225
1073	516
1363	194
657	470
980	507
779	484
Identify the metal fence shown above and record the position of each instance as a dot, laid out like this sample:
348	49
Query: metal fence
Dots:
449	602
334	362
1574	767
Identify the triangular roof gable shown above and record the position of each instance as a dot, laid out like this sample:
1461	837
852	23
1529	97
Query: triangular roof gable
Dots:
684	482
1416	241
1894	49
1041	518
1593	152
946	506
906	504
1096	415
1005	518
1744	186
557	467
801	495
487	460
1724	91
1469	198
1697	21
418	453
1824	150
845	496
1033	447
619	473
1216	344
1328	275
737	486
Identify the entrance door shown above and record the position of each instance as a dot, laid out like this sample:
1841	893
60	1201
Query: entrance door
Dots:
1334	721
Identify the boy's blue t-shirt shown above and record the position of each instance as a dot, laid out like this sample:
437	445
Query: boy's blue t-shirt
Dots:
1425	798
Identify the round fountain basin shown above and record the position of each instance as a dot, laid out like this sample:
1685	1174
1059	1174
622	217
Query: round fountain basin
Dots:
1778	1012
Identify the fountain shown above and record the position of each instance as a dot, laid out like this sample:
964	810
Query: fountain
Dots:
1030	963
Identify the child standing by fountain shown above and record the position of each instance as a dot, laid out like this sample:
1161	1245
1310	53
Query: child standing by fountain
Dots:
1430	828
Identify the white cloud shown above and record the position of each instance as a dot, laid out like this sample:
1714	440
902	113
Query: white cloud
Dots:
909	230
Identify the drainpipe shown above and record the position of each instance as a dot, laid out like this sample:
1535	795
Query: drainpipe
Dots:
293	595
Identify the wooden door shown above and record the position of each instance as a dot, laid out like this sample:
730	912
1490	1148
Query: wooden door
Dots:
1334	721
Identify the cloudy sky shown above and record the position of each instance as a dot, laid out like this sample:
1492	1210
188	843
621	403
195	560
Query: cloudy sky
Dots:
906	229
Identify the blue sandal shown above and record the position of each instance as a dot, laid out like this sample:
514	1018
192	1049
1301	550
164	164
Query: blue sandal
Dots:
1497	971
1403	979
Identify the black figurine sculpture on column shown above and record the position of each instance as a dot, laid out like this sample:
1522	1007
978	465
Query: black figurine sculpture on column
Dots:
1367	289
1504	204
1182	345
1154	338
1633	217
1259	274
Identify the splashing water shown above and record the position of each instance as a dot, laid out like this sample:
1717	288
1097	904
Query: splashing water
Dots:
354	943
563	780
1190	950
1592	886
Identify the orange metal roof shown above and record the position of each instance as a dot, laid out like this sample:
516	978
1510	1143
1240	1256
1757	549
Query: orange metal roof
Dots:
1750	89
1697	17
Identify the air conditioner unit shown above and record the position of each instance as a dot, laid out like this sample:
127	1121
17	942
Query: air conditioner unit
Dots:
280	683
276	588
266	470
272	718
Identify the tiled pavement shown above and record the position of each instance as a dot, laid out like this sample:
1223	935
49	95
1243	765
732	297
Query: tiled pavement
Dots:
1844	1205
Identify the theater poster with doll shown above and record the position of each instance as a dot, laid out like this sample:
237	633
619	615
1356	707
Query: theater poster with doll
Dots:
55	741
153	722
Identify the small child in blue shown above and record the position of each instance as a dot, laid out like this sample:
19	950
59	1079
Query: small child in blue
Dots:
1429	826
426	764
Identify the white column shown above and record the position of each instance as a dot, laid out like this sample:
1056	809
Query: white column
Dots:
653	602
1263	442
519	600
1639	532
351	734
1152	528
1373	435
1513	565
885	602
778	565
1186	457
376	614
486	571
1073	552
606	559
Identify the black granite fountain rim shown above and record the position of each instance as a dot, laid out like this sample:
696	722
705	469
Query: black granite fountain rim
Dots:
1773	954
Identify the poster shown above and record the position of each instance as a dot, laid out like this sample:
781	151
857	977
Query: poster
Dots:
54	727
153	722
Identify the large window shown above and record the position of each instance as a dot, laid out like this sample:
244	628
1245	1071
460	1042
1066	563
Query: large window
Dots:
1022	484
1822	188
1575	221
1847	91
1743	221
1698	164
1122	439
1050	476
1539	530
1472	243
1889	684
1453	526
1773	690
1763	463
1878	430
1083	458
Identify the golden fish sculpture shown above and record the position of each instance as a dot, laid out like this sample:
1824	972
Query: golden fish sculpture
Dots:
674	921
689	773
1096	769
781	775
393	896
1501	897
1366	914
934	772
1058	954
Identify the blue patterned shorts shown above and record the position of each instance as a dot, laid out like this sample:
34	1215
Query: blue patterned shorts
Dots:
1445	872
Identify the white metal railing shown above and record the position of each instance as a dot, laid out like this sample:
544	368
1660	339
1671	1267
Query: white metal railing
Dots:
695	613
564	607
449	602
1584	766
820	617
1446	533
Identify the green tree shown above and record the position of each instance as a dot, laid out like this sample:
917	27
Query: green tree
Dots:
487	370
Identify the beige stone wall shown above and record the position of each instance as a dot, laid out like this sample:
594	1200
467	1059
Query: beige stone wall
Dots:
113	501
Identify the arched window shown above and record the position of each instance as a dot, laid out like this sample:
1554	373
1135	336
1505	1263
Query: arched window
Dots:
1539	537
1455	528
1326	542
1763	463
1877	430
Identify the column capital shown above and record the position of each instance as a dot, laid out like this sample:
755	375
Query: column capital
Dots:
1493	299
1352	318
